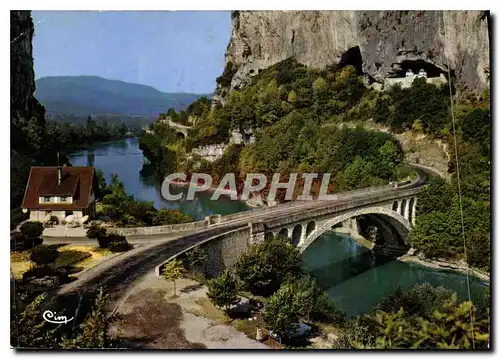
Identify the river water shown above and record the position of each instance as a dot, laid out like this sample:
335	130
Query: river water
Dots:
351	274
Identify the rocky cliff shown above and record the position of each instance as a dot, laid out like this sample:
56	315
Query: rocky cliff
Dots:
27	115
379	44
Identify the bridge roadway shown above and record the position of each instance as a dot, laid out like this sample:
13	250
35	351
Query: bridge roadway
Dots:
118	273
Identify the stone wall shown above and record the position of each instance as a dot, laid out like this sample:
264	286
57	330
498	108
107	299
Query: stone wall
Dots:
406	82
225	250
169	228
222	250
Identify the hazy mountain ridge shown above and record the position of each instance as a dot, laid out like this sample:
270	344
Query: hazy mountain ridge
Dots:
93	95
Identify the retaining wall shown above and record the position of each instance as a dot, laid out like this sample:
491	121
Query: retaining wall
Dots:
222	250
169	228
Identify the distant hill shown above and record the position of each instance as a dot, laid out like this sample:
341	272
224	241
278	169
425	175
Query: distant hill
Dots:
93	95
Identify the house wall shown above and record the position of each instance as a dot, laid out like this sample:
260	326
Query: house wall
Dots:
41	216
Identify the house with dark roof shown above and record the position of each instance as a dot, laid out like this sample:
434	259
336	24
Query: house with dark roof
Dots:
60	191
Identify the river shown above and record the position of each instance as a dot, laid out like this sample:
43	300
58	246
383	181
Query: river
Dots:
350	273
125	159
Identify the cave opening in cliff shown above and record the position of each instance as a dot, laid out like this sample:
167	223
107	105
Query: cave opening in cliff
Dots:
352	57
417	65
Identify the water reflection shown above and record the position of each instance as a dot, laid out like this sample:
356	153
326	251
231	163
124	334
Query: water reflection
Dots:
358	279
125	159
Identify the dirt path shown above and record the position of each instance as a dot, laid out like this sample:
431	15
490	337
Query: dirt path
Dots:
169	322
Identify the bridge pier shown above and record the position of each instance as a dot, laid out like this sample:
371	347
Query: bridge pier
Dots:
257	232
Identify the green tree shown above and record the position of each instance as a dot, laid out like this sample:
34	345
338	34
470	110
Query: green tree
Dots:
43	255
172	271
391	155
170	216
197	258
282	310
32	229
96	231
223	291
267	265
435	197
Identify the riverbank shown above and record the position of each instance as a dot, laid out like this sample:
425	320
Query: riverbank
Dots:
355	236
456	266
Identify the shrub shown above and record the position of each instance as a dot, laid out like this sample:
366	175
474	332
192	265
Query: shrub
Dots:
226	77
108	238
32	229
223	291
45	271
19	242
103	242
170	216
96	231
119	246
54	219
68	258
43	255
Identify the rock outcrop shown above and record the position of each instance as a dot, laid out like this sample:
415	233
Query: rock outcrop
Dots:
27	115
379	44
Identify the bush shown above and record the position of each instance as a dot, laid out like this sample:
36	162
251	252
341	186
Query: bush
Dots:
54	219
119	246
19	242
108	238
421	300
32	229
68	258
170	216
45	271
43	255
103	242
95	231
223	291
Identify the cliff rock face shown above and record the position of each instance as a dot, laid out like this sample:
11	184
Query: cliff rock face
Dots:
379	43
27	115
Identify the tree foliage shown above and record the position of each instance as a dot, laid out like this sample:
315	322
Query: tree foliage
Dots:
93	332
32	229
281	311
43	255
223	291
265	266
172	271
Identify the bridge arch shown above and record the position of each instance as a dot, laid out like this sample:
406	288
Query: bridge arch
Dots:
283	232
296	234
402	210
411	205
311	226
397	221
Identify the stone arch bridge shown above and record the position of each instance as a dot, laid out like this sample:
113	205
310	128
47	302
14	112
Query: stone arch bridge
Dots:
225	238
391	210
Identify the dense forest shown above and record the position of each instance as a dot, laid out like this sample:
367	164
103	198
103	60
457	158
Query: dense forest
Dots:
292	112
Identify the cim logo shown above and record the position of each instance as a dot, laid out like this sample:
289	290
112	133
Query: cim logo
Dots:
51	317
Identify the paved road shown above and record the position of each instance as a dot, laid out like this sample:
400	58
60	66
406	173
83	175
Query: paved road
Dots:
143	239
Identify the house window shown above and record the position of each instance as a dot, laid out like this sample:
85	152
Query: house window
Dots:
46	199
65	199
